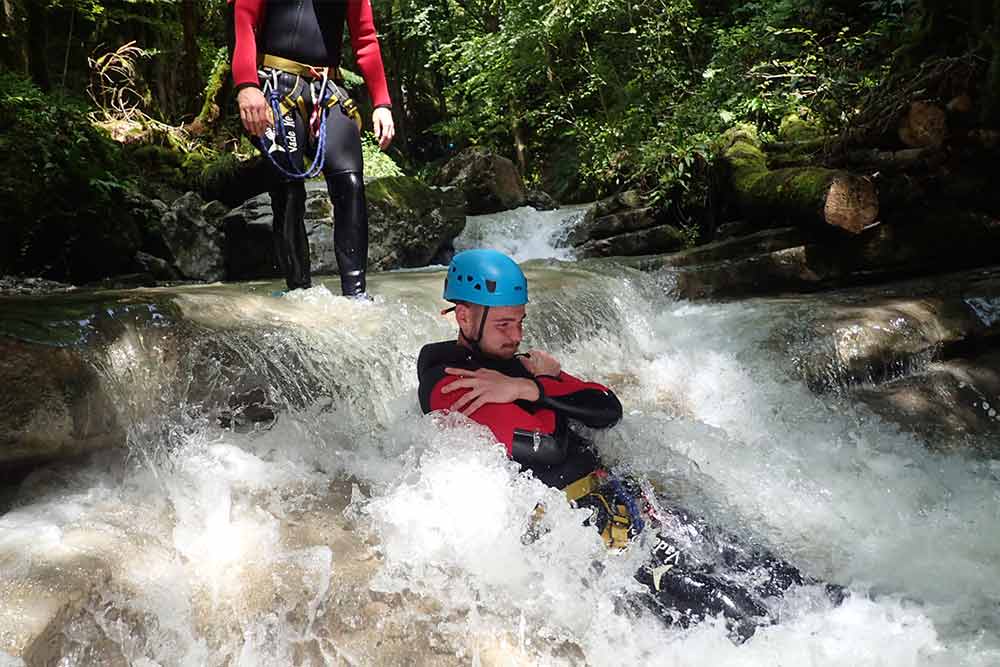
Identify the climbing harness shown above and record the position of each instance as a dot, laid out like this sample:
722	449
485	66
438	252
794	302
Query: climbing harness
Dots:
616	513
321	100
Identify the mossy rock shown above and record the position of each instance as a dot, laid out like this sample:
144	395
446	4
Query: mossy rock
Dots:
795	128
402	192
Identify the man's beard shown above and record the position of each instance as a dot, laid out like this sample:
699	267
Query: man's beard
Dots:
503	352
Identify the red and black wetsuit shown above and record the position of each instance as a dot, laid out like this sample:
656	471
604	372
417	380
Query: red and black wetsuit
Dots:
310	32
537	434
680	589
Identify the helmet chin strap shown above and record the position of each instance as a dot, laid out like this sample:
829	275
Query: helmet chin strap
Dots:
474	344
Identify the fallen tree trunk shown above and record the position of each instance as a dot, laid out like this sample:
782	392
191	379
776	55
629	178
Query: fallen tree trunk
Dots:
906	158
795	195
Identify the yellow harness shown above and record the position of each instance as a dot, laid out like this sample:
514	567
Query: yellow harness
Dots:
616	531
296	100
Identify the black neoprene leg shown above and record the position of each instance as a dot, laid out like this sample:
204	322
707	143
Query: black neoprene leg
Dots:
291	245
350	229
682	591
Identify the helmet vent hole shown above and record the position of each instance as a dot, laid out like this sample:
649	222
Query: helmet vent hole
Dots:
491	286
459	278
517	288
479	287
469	278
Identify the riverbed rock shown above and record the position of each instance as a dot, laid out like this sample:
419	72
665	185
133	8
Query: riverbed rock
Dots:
490	182
31	285
661	238
631	220
955	401
618	214
249	241
775	261
411	223
876	335
52	405
541	200
157	268
192	231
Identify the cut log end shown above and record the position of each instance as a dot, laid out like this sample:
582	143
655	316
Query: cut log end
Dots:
924	124
851	203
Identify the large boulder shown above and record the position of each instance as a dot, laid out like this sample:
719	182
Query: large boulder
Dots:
409	224
191	230
250	241
781	260
491	183
661	238
541	200
618	214
53	404
952	402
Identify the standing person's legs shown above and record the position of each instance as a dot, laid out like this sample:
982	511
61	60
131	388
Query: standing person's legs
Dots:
350	233
288	197
291	245
343	170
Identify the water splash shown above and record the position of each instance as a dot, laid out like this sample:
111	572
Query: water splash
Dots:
522	233
232	547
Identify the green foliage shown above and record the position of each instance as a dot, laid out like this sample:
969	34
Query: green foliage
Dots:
377	164
63	194
641	88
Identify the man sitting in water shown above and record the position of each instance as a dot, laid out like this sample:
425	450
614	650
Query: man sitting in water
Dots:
527	400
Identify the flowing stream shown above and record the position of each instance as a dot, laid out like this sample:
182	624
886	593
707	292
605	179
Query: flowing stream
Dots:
351	529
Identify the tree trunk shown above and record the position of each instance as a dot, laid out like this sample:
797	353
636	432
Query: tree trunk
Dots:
396	53
13	53
795	195
990	114
38	64
190	71
520	147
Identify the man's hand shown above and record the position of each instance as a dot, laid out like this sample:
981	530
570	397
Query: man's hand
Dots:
487	386
385	128
541	363
256	115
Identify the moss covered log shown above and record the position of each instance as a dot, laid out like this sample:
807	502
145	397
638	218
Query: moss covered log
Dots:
797	195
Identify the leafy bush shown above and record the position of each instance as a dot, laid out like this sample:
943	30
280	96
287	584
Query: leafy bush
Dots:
641	88
62	189
376	163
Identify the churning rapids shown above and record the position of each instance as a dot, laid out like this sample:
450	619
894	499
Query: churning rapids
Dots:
353	530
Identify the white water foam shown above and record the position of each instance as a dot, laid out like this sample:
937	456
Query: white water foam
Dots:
230	551
523	233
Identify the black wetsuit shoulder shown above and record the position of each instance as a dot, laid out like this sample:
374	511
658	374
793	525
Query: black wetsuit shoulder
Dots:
307	31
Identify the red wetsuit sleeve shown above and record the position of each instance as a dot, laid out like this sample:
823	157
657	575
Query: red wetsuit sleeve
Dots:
247	16
566	384
364	41
501	418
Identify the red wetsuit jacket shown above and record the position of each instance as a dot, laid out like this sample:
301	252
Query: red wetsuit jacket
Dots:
309	32
537	434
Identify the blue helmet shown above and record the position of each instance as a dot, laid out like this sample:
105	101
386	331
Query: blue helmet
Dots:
487	278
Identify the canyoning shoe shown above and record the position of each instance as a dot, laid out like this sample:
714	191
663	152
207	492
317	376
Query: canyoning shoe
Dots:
278	293
361	297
